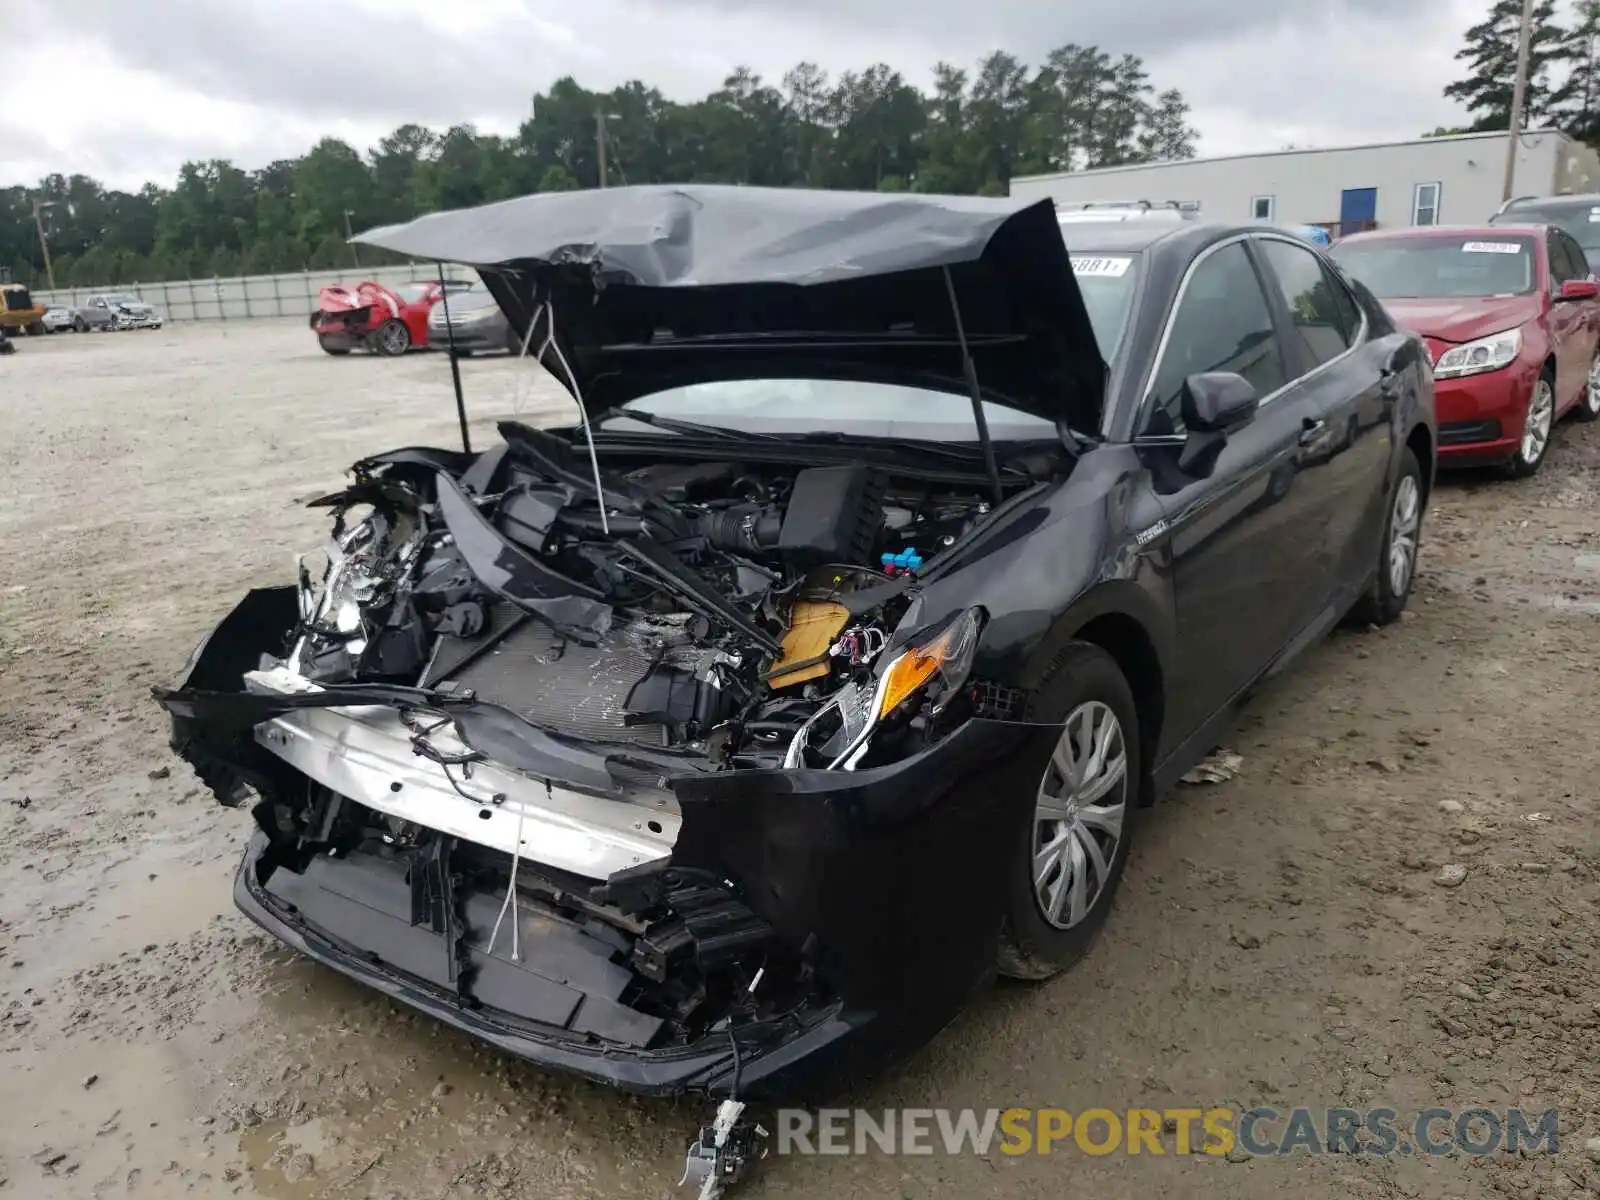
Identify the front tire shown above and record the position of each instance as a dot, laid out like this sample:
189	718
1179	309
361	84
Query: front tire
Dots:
391	339
1537	428
1072	853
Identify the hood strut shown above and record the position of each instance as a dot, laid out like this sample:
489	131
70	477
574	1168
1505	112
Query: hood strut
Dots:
455	367
970	370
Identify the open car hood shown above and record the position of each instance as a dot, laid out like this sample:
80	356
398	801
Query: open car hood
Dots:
656	286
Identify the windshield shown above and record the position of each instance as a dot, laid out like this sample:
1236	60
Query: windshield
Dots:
120	298
798	406
1106	281
1439	267
1582	221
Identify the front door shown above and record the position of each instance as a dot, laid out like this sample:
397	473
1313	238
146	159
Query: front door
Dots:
1358	210
1241	561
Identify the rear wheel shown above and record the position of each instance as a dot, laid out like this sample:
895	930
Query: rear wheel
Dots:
391	339
35	328
1397	558
329	347
80	325
1070	858
1589	407
1536	429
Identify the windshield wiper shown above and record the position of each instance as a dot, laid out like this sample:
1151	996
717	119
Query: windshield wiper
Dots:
681	426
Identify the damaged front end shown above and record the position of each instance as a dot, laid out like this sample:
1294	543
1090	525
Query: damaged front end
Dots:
643	776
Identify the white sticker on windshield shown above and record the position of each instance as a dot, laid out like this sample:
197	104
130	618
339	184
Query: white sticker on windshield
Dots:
1491	248
1105	268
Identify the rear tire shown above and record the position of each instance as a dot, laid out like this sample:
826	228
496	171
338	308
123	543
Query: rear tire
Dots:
1402	537
1067	867
1588	408
1540	427
328	348
35	328
79	325
391	339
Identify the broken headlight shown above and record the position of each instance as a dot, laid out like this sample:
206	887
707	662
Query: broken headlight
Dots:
925	676
934	667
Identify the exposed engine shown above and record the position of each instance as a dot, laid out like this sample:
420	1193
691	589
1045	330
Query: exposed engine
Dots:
713	610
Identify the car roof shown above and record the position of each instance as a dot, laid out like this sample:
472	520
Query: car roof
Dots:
1443	232
1581	200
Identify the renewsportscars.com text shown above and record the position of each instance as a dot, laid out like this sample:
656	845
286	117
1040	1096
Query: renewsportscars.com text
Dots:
1258	1132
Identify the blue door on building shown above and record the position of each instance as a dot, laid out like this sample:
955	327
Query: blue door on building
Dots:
1358	209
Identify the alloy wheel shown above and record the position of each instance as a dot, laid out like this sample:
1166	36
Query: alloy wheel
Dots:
393	338
1404	520
1536	428
1079	814
1591	395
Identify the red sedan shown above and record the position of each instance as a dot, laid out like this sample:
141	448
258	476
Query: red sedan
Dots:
1510	315
387	321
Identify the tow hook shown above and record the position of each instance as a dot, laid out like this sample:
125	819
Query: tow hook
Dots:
723	1151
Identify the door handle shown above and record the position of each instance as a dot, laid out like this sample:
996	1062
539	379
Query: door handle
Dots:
1311	430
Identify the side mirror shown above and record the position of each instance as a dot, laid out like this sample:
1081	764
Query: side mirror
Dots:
1218	401
1214	404
1579	289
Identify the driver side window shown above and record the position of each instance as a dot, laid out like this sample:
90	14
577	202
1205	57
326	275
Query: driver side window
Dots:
1222	324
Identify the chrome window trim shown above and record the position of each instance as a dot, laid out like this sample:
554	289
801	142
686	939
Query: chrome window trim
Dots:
1148	380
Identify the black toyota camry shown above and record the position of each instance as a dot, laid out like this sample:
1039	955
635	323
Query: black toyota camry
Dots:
741	731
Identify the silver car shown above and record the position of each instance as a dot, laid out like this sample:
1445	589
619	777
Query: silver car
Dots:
476	323
56	318
114	310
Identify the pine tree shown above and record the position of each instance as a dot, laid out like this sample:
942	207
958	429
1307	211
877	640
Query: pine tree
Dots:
1490	50
1583	119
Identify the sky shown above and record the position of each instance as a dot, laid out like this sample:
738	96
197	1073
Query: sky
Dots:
127	92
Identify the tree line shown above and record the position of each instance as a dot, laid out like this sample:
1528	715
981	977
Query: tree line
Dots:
868	129
1563	88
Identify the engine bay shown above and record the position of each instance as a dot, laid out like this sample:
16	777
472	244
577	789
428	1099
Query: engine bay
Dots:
719	611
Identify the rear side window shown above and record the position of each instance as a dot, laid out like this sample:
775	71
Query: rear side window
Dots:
1221	324
1325	317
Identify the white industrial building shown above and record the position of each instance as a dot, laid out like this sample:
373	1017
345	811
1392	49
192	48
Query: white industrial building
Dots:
1440	180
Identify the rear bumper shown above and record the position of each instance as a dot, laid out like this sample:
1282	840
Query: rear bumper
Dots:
1481	416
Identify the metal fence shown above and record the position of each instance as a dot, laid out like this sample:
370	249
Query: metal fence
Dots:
247	297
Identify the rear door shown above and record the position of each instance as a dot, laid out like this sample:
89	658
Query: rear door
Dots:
1241	558
1350	391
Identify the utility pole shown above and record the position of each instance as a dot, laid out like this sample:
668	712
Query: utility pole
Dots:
44	243
600	142
349	236
1519	94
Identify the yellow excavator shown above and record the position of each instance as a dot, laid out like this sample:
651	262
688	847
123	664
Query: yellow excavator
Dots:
19	311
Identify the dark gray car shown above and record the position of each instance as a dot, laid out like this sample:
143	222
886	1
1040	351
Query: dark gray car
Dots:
476	323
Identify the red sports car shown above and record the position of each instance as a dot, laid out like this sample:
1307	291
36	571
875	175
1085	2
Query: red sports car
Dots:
387	321
1510	315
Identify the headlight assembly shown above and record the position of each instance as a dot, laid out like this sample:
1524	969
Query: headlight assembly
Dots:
1473	358
928	673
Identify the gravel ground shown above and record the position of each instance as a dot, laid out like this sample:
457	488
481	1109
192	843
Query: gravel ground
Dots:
1280	937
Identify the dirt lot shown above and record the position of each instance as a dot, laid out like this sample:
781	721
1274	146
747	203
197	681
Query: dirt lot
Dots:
1280	938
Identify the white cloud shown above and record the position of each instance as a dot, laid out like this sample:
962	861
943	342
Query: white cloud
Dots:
127	98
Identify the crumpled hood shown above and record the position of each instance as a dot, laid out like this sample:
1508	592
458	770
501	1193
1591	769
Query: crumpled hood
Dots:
1462	319
656	286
